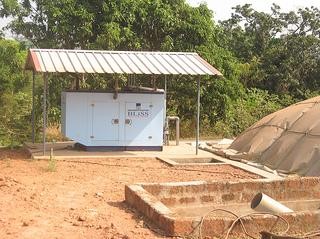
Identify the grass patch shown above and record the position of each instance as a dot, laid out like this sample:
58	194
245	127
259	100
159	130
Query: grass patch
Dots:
52	165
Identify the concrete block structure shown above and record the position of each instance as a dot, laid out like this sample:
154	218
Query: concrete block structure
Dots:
179	208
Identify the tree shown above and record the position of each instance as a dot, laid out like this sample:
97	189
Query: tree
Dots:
15	97
279	51
167	25
119	24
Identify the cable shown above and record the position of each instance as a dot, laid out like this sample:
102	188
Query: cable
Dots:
252	214
214	210
240	219
309	234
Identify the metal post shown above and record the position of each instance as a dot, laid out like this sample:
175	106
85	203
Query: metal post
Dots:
165	125
165	98
33	106
45	82
198	116
78	82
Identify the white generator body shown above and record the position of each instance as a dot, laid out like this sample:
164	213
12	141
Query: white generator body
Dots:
128	121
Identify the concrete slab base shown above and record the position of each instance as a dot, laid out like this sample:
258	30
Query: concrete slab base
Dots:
214	160
65	150
191	161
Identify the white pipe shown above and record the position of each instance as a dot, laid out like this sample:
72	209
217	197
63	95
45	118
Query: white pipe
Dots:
177	120
145	88
263	203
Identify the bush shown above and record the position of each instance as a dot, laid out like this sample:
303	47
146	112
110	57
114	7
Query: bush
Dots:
245	111
15	98
14	118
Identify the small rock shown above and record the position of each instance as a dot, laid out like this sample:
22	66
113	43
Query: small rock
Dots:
99	194
1	179
99	227
75	224
25	224
81	219
140	224
112	226
72	209
125	237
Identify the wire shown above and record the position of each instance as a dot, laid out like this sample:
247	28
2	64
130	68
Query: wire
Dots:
256	214
214	210
309	234
240	219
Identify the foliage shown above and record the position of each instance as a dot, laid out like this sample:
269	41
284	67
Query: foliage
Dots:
14	113
243	112
15	100
120	24
280	51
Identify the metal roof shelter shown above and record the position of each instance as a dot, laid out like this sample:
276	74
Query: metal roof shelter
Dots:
115	62
118	62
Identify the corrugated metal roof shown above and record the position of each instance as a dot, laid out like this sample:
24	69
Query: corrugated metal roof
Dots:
128	62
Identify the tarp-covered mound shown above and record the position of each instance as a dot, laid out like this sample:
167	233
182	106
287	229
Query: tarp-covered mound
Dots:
287	141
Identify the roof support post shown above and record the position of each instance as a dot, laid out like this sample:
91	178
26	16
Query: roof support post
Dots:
154	85
116	88
33	106
165	98
82	78
45	85
198	115
78	81
165	126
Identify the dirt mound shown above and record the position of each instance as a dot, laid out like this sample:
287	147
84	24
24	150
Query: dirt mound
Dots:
6	153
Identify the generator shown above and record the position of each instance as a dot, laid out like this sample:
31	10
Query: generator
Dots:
122	121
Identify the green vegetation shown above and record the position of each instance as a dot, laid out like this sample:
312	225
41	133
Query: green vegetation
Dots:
268	60
15	94
52	164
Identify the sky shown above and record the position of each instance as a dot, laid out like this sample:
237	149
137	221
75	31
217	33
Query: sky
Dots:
222	9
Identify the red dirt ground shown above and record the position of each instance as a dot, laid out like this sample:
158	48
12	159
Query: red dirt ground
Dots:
83	198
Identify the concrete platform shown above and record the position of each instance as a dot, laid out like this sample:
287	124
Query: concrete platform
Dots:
65	150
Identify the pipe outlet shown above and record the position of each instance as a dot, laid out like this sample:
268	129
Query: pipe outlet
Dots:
263	203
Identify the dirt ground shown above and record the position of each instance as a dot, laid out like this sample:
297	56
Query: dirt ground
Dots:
83	198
